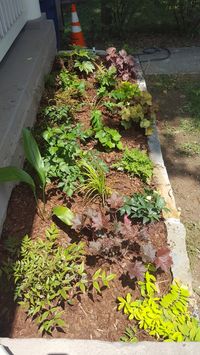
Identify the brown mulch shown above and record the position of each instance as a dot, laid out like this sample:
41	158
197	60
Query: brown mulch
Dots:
90	317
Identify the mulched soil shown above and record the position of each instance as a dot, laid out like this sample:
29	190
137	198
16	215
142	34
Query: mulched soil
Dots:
90	317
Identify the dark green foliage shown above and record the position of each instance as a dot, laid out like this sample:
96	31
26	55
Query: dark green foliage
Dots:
106	79
61	155
136	163
57	114
186	14
108	137
80	59
145	206
96	120
71	83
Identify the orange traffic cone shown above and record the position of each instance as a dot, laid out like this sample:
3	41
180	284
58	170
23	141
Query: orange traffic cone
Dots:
77	38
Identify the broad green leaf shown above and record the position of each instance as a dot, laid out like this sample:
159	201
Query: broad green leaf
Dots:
33	155
12	173
96	274
64	214
96	286
63	293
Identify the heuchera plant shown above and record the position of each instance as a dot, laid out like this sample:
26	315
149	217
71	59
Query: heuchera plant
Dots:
123	62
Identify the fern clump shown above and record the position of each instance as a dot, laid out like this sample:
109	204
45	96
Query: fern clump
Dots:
136	162
167	318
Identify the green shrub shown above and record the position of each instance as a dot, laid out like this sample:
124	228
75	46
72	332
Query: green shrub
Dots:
136	163
186	14
167	318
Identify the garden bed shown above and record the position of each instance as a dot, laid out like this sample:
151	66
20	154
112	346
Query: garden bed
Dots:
111	230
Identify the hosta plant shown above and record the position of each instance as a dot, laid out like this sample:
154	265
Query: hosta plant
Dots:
166	318
145	206
136	162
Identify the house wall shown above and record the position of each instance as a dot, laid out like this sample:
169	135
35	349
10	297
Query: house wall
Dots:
22	74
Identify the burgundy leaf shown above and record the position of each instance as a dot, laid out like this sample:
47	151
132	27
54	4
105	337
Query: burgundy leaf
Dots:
77	222
97	221
125	227
130	60
125	77
90	212
137	270
123	53
163	259
115	201
111	50
149	252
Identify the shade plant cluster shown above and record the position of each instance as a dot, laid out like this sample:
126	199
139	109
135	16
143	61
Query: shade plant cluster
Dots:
89	149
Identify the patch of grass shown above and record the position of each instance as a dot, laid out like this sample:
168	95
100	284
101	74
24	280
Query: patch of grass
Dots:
193	237
167	82
190	149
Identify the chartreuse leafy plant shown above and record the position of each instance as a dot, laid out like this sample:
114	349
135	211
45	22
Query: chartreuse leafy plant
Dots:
166	318
132	105
94	184
47	275
146	206
136	162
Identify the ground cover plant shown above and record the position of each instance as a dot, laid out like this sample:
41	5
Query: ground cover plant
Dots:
101	231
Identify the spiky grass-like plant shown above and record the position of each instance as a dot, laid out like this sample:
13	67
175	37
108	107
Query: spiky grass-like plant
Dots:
94	184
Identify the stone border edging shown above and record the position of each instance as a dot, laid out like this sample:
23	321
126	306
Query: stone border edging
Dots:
176	233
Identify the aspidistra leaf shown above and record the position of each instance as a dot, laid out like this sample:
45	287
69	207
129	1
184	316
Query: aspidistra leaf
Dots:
33	155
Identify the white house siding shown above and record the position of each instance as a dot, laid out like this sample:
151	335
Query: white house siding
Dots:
13	16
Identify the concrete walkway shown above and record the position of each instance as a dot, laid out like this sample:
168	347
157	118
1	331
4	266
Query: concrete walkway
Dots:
93	347
181	61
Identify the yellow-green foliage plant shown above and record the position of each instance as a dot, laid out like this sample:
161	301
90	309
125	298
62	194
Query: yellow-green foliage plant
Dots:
166	318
